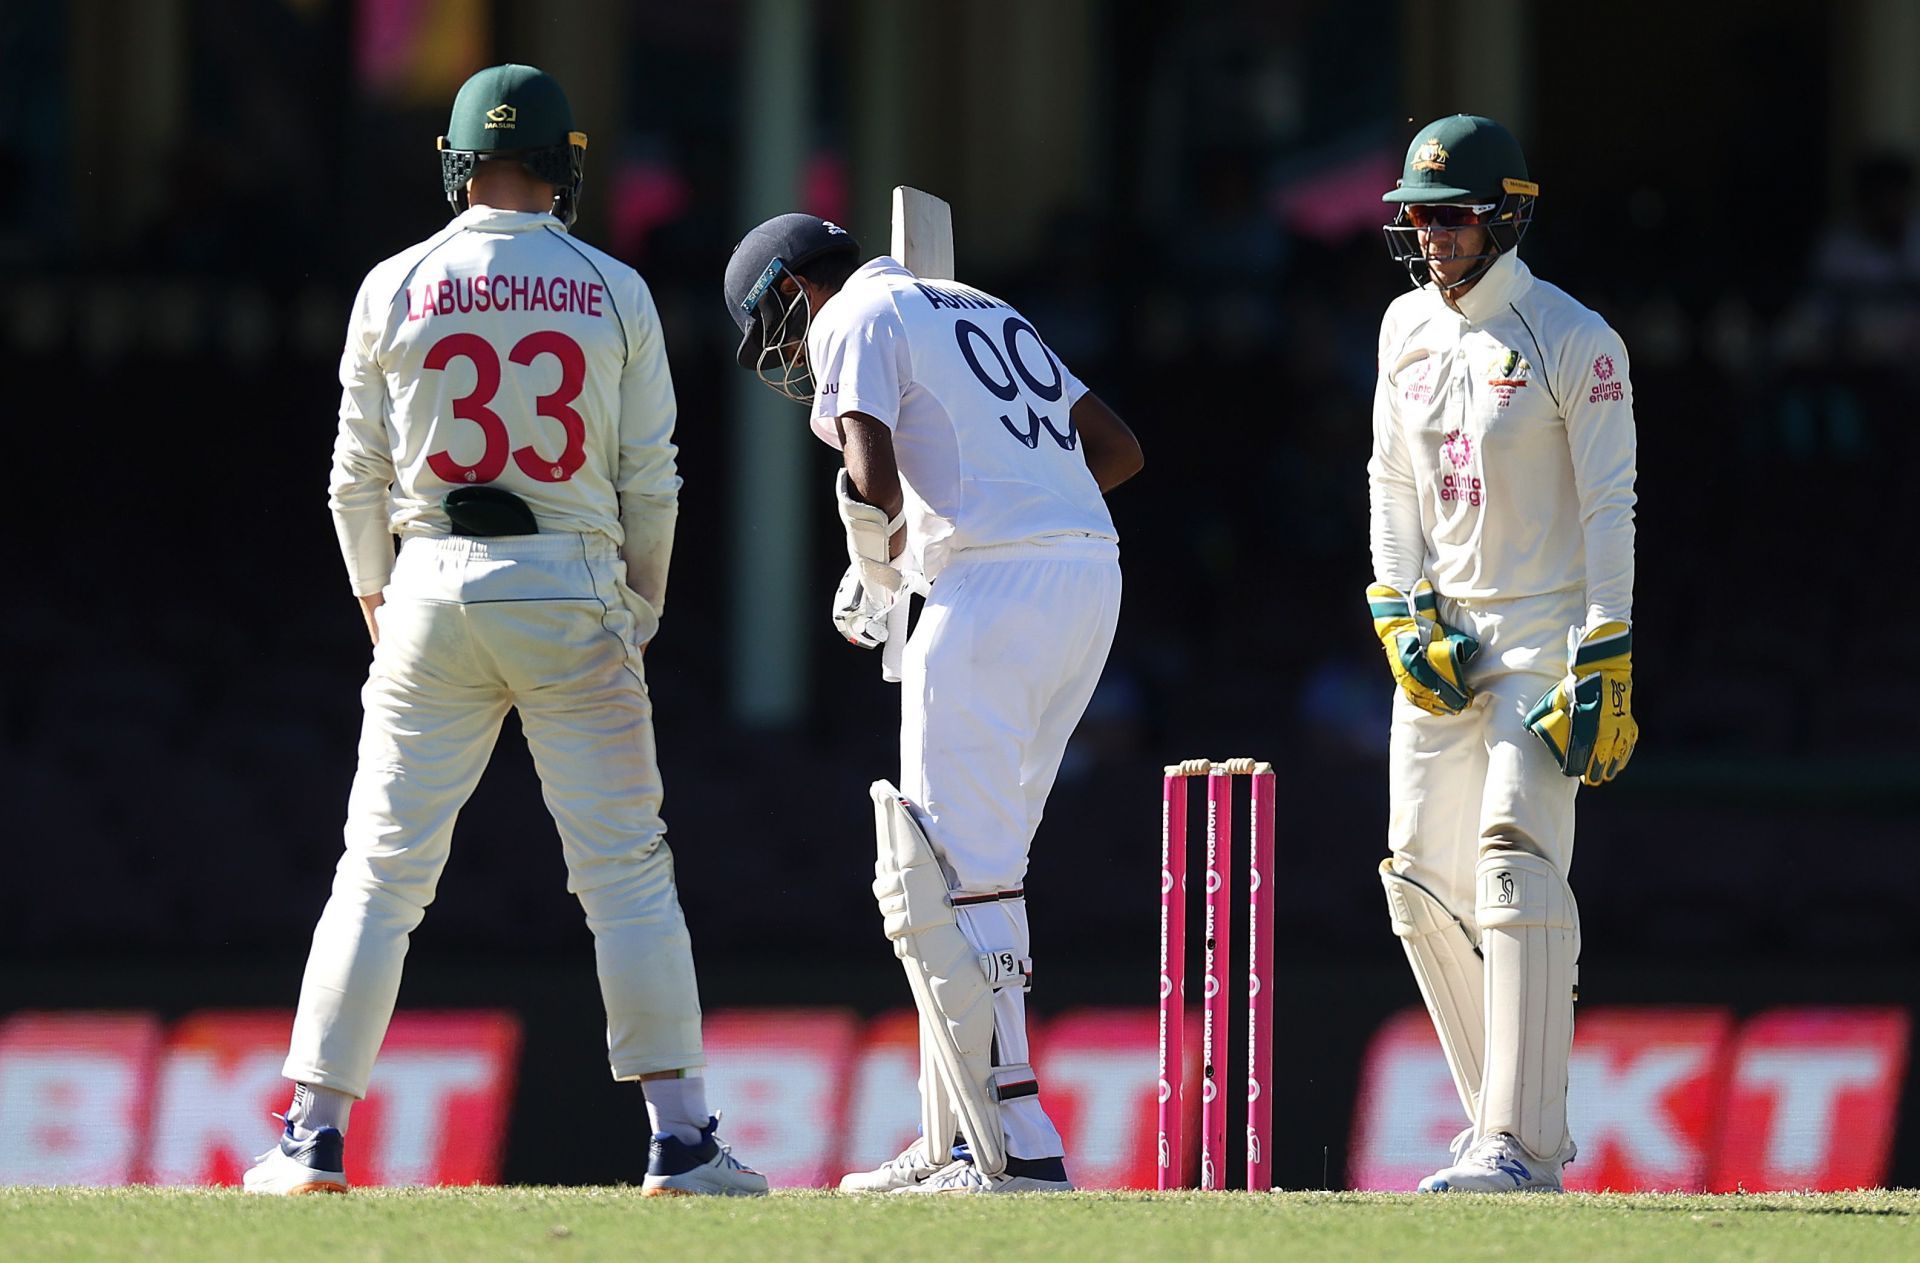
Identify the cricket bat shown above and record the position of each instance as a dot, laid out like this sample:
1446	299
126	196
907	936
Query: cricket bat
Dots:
923	243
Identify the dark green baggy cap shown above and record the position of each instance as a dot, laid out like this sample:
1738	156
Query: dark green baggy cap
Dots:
514	113
509	107
1462	158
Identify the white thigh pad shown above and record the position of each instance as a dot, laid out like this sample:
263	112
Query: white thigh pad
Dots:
1447	966
952	982
1530	936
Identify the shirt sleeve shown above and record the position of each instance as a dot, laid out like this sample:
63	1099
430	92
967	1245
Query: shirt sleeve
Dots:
1398	544
1074	389
861	366
648	481
358	491
1601	441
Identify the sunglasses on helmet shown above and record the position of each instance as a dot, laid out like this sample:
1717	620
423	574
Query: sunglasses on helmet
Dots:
1448	215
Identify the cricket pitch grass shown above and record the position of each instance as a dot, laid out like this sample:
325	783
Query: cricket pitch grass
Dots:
561	1225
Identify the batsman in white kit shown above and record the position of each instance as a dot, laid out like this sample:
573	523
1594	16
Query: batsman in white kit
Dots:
1502	537
508	414
975	470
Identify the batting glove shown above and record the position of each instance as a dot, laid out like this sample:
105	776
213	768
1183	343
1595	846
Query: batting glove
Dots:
861	602
1587	718
1428	658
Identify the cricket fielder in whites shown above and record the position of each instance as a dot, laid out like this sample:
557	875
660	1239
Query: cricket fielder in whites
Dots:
975	466
1502	536
507	412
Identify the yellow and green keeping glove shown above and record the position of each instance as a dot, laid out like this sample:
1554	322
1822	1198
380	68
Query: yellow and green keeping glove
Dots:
1587	718
1428	658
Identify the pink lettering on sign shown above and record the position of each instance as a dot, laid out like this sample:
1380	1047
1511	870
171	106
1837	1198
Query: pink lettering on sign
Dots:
1668	1099
1812	1100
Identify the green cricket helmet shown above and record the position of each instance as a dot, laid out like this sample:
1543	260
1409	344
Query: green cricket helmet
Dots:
514	113
1461	171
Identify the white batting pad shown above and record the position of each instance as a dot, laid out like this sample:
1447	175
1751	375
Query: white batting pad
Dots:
1530	936
1447	966
950	986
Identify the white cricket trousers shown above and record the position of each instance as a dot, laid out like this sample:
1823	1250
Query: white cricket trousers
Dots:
1480	780
1477	782
469	628
998	672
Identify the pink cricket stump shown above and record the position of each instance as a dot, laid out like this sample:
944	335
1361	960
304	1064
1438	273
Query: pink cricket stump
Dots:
1214	1021
1260	936
1173	977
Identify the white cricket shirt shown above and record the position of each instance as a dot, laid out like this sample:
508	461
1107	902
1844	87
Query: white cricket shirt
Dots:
502	352
1503	446
978	406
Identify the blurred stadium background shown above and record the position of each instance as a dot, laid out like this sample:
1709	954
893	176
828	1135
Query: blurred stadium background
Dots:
1185	199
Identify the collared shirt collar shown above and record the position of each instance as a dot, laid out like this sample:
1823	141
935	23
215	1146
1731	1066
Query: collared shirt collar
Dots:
880	265
1501	284
492	219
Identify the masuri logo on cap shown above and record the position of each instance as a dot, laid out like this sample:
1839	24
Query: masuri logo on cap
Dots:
502	118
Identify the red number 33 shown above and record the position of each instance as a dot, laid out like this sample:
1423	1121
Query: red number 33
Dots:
486	383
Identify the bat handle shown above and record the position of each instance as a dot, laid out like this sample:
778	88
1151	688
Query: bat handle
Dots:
893	650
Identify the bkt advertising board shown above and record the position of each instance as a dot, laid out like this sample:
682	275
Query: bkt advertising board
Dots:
1661	1098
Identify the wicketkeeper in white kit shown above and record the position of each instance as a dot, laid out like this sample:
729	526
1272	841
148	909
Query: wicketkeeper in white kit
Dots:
975	466
1502	536
508	413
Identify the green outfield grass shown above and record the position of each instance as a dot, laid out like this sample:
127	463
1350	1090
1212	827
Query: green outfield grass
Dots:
558	1225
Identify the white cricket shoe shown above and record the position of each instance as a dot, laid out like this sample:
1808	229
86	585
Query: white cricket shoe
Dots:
1023	1175
678	1169
1500	1164
904	1170
293	1167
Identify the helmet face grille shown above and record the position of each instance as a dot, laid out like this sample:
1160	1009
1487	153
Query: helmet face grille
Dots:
559	165
782	363
1505	228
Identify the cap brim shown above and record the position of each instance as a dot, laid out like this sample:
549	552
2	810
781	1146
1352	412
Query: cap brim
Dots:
1429	194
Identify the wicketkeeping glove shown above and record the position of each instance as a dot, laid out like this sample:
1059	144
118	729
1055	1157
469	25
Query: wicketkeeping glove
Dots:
1587	718
1428	658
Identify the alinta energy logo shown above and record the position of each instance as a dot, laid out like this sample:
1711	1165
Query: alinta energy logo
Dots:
1418	387
1605	388
1457	447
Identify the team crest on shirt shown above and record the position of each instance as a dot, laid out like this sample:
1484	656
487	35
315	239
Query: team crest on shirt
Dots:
1507	375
